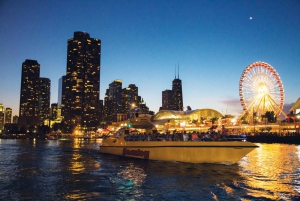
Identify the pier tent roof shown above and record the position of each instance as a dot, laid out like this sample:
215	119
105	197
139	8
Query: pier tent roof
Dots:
296	105
172	114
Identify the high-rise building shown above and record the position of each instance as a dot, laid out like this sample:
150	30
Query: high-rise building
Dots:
1	117
81	101
167	99
115	98
53	112
61	92
177	94
29	96
130	99
172	99
44	100
122	104
107	110
15	119
8	115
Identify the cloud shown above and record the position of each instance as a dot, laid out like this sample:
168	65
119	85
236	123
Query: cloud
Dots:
232	102
287	107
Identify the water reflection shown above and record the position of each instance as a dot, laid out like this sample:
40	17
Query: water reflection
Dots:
75	170
271	170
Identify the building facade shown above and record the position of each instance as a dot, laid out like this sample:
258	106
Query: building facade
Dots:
173	99
8	115
115	95
177	94
167	99
82	84
61	92
44	99
29	96
1	117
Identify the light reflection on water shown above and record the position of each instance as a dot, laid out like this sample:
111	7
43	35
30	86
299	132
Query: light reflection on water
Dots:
75	170
272	171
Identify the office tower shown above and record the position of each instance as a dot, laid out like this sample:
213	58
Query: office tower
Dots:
1	117
15	119
129	100
29	96
61	91
107	110
44	99
177	94
81	109
115	98
172	99
8	115
53	112
143	109
167	99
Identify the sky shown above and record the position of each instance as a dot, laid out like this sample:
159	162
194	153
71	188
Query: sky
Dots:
144	41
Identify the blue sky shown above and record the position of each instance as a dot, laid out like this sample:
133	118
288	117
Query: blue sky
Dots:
143	41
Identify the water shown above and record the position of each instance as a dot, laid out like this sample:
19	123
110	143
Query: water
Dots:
75	170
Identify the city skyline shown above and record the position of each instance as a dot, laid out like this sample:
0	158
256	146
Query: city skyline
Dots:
143	42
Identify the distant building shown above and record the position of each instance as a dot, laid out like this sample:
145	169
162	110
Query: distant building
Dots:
167	99
115	96
61	92
129	100
1	117
177	94
122	104
53	113
29	96
8	115
82	84
44	100
15	119
173	99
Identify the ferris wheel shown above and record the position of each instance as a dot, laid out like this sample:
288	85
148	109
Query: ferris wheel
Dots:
261	90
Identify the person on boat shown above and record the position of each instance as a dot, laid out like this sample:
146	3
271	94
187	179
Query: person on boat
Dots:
149	137
176	137
185	137
195	137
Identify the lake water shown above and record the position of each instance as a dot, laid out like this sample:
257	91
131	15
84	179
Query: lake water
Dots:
75	170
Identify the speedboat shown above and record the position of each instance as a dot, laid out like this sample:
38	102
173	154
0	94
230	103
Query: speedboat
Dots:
209	151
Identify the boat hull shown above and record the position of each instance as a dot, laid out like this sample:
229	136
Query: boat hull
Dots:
223	152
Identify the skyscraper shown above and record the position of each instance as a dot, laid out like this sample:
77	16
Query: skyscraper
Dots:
61	92
177	94
29	96
81	109
44	99
1	117
172	99
167	99
8	115
115	97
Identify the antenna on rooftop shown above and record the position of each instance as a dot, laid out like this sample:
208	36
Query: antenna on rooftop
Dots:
175	71
178	70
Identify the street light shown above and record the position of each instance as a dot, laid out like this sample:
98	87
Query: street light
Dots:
132	106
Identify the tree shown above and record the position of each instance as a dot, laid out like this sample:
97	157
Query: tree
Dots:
271	116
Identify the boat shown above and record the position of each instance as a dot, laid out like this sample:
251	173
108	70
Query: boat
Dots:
219	151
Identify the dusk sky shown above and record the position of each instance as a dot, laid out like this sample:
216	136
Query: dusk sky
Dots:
143	40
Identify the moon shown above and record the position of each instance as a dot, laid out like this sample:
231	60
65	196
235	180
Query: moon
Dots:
250	18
